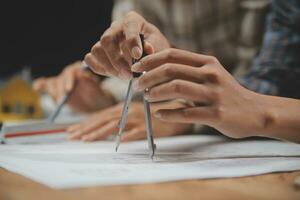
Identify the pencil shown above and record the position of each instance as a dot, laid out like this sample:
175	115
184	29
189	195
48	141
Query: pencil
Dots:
65	98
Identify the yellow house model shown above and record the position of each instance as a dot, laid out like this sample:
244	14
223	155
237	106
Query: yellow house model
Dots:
18	101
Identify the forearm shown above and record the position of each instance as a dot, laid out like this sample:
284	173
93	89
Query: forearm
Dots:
281	118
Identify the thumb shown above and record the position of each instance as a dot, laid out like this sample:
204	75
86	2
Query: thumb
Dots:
133	41
148	48
132	27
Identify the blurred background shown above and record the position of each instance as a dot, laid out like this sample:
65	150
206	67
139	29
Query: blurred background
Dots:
39	38
47	35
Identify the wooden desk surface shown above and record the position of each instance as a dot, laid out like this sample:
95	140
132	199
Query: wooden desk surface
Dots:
271	186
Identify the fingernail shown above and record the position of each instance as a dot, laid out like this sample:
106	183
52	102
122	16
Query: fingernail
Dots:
136	52
157	115
136	67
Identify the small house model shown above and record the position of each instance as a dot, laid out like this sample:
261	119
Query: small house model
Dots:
18	101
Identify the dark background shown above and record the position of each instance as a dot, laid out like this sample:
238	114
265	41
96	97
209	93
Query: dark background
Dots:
47	35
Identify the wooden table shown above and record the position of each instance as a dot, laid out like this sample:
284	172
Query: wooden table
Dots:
271	186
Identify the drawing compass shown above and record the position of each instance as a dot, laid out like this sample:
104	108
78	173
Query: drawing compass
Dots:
147	112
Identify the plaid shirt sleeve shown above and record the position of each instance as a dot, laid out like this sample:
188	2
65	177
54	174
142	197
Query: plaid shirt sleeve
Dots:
276	70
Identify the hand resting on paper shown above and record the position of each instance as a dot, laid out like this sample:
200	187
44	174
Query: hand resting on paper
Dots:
105	123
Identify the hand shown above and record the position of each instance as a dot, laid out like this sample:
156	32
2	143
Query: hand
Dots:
111	56
87	95
105	123
219	100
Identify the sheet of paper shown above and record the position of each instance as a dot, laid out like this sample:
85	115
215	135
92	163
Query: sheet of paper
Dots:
76	164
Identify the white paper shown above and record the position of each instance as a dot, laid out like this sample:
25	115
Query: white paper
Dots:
76	164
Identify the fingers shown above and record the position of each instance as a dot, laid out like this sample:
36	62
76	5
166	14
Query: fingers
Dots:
57	86
102	133
178	89
126	52
132	26
166	73
70	74
53	88
69	79
170	56
99	62
97	131
136	133
104	123
78	130
119	43
60	87
203	115
110	42
39	85
96	121
148	48
91	124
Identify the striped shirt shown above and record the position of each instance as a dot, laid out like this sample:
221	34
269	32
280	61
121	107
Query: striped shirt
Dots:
230	30
276	71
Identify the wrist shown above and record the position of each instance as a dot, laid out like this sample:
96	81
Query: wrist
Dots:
265	113
273	117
